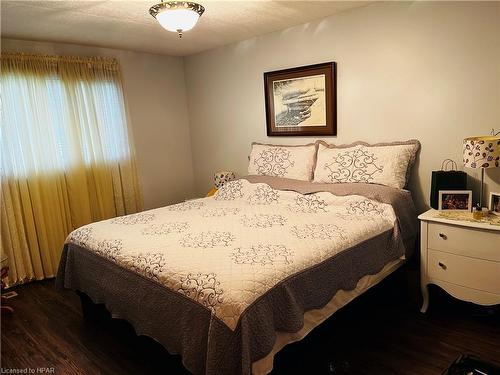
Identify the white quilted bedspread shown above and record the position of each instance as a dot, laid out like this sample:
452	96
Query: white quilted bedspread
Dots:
227	250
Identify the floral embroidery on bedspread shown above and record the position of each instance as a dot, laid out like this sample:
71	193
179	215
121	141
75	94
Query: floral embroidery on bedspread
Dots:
262	220
229	191
207	239
186	206
220	211
364	207
81	236
203	288
317	231
140	218
149	265
262	255
165	228
264	194
109	249
308	203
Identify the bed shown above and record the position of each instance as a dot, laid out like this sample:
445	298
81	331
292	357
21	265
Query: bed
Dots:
227	281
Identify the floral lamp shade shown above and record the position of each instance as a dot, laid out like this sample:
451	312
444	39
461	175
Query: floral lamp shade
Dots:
482	152
221	177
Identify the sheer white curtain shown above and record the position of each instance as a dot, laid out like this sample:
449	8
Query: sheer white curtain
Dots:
66	155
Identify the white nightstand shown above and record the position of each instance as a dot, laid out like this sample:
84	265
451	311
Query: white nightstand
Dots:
462	257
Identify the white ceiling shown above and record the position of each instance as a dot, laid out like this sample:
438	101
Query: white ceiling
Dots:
128	25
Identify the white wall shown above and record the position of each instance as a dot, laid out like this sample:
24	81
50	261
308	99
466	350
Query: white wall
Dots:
156	99
421	70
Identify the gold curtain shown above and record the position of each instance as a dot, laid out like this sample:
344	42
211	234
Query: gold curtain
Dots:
66	156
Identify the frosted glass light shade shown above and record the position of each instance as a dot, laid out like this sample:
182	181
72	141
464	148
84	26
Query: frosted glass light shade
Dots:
178	19
177	16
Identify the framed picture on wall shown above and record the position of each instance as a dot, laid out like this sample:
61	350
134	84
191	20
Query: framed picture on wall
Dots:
301	101
494	205
455	200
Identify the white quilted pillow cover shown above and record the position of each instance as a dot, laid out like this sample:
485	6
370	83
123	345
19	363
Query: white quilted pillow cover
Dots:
386	164
295	162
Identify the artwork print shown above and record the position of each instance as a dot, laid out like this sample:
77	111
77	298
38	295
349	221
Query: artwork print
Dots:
301	101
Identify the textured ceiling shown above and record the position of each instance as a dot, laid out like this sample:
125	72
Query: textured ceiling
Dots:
128	25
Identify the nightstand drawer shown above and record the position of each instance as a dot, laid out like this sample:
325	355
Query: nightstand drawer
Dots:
471	242
469	272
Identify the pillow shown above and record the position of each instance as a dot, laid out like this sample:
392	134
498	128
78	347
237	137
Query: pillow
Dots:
383	163
295	162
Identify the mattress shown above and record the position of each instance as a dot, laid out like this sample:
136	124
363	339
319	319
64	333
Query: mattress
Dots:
215	279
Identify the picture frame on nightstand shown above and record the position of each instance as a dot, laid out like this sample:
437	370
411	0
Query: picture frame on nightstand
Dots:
494	203
455	200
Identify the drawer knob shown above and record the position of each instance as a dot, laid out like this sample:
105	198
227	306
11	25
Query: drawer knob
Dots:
443	236
442	265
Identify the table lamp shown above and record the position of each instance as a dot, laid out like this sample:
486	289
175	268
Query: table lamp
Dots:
482	152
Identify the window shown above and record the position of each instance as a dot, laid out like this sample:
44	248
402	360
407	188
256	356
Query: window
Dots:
66	156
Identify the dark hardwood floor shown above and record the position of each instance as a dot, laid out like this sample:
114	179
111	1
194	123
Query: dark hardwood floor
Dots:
382	332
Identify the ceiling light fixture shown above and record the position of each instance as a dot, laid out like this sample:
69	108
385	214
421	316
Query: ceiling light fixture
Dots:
177	16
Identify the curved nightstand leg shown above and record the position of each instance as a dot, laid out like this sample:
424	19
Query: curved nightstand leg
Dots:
425	295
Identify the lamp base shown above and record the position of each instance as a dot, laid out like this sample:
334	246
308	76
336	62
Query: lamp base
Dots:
482	188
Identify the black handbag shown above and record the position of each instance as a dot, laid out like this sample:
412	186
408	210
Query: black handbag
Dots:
446	180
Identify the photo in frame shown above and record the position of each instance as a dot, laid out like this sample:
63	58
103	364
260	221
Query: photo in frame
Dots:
494	203
455	200
301	101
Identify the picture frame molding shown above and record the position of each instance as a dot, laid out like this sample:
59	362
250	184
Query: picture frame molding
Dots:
440	200
330	100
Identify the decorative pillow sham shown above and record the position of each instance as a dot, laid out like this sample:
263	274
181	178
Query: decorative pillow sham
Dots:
383	163
295	162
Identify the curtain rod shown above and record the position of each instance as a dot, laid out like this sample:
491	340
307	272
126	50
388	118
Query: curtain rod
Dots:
110	61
